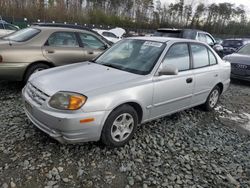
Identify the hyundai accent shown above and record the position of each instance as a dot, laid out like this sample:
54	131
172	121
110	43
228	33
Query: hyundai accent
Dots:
135	81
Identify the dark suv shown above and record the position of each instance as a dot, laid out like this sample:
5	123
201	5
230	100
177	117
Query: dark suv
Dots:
191	34
232	45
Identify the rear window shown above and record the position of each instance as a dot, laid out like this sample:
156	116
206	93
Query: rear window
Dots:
168	33
232	43
23	35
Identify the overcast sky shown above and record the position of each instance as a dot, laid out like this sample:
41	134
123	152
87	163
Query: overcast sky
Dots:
246	3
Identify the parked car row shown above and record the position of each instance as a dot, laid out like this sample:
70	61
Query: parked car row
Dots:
116	86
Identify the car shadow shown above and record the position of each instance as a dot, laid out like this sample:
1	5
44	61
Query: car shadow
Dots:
11	85
240	82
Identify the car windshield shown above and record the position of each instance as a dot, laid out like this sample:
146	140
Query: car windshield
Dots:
131	55
22	35
245	50
232	43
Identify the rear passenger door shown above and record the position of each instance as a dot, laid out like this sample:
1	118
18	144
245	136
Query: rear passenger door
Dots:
205	69
63	48
174	92
91	45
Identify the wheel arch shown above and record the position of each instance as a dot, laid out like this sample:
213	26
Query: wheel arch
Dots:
137	107
221	86
35	63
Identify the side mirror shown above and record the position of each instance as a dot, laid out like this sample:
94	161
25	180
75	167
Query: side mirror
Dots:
168	70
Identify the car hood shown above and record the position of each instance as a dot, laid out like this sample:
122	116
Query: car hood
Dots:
80	78
119	32
238	58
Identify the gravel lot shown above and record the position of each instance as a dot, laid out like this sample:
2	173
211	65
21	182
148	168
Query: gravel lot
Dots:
188	149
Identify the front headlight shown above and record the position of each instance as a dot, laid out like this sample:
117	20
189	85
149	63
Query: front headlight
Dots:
67	101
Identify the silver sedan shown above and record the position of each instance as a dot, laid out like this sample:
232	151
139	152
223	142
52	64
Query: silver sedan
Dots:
135	81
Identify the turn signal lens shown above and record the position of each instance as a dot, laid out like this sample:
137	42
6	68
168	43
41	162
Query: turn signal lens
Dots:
67	101
75	102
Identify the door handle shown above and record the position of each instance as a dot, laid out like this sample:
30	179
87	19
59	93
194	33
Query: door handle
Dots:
91	53
189	80
216	75
50	51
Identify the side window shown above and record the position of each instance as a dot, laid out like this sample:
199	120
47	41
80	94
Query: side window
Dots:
178	55
202	37
200	55
91	41
62	39
210	41
1	26
212	58
108	34
10	27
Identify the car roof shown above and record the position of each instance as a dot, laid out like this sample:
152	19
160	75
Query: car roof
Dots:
174	29
164	39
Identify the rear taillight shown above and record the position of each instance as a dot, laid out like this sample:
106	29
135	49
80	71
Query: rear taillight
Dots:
1	59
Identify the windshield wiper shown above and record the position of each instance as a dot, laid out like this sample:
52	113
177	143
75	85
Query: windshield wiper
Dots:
112	66
92	61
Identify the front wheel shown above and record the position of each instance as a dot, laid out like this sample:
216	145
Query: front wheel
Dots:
120	126
33	69
212	99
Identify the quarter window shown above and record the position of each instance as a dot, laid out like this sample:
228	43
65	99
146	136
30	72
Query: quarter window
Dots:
178	55
212	58
90	41
209	40
200	55
63	39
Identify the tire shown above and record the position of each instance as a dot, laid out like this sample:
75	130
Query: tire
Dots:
120	126
212	99
34	68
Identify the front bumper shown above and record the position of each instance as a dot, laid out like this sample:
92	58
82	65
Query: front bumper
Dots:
12	71
239	77
65	127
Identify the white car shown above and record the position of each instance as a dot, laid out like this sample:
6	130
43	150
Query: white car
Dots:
7	28
113	35
135	81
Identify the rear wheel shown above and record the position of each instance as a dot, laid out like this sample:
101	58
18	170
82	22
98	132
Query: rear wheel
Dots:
33	69
212	99
120	126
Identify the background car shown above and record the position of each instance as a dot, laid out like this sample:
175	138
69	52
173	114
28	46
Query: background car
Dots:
191	34
44	46
135	81
232	45
7	28
240	63
113	35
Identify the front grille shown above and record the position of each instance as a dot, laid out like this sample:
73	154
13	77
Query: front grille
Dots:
240	66
36	94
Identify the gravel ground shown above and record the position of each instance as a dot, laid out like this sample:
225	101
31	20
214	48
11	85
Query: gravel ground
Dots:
188	149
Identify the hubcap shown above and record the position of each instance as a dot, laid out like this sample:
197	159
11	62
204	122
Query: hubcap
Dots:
214	98
122	127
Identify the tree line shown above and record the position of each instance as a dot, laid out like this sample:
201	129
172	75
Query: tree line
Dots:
221	18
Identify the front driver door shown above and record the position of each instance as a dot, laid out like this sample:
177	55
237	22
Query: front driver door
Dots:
63	48
174	92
